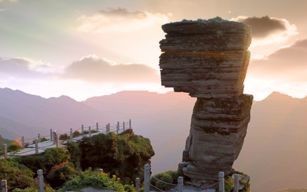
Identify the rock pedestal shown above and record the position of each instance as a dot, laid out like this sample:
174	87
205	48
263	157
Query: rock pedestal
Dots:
208	59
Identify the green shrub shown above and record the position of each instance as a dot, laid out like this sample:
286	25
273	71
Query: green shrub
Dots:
229	184
43	139
4	140
55	156
14	146
64	137
17	175
33	162
95	179
75	153
55	164
76	134
45	160
60	173
160	180
244	180
129	188
33	189
123	155
29	189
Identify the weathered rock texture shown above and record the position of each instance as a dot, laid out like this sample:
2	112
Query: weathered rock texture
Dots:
209	59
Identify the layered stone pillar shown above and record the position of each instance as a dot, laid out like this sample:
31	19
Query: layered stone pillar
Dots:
208	59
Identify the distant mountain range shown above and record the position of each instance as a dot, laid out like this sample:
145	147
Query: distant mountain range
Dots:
274	152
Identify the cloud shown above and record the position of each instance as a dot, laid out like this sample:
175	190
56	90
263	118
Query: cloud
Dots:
123	13
282	71
119	20
25	68
90	69
81	79
288	63
98	70
21	67
265	26
268	30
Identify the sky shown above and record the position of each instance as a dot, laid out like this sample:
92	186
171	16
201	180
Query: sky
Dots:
88	48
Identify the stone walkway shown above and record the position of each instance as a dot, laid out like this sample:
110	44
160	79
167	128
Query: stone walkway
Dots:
42	146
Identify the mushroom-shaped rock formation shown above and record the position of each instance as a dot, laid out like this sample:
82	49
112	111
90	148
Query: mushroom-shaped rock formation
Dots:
208	59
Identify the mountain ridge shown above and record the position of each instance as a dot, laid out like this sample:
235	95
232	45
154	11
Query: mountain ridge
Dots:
273	94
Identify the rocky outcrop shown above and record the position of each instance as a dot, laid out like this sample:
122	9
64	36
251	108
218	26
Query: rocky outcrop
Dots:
208	59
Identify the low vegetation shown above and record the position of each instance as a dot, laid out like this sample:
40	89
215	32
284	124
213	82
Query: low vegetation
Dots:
12	145
96	179
17	175
165	180
121	157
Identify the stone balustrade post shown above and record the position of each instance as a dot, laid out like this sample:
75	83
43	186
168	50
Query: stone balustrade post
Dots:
109	127
117	127
4	185
147	177
82	129
5	151
36	146
56	139
137	184
107	131
97	127
40	177
23	141
180	184
236	182
221	181
70	134
51	135
130	126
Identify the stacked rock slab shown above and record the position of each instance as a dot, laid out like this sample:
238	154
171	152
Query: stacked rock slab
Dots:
208	59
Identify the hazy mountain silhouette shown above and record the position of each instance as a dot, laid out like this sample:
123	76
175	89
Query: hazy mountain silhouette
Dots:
274	153
27	115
